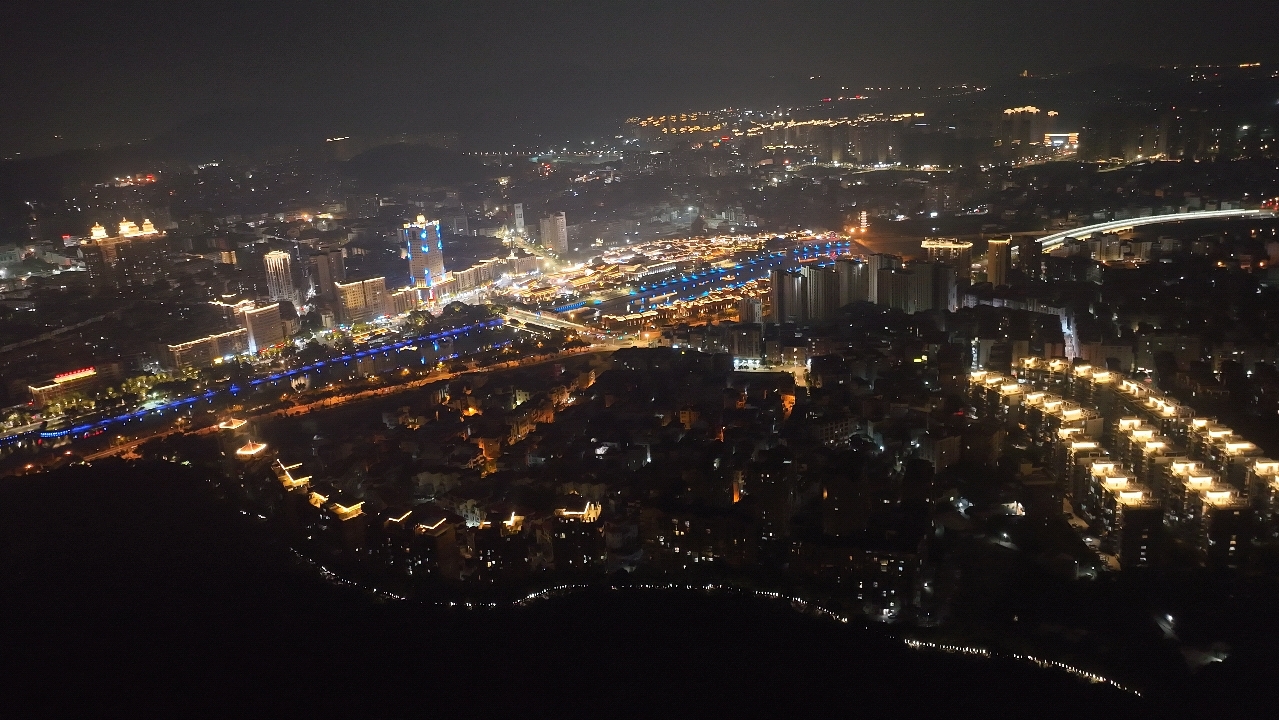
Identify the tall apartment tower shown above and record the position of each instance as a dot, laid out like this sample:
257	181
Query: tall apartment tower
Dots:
519	218
875	263
555	233
279	275
821	293
328	267
786	296
854	280
998	258
956	253
425	249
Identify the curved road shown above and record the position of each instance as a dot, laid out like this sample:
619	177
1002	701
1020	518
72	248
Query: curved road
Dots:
1050	242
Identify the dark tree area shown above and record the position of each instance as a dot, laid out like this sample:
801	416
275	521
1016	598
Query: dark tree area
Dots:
130	591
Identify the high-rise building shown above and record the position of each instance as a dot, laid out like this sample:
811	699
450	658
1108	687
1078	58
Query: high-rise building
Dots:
854	280
266	330
821	293
363	300
956	253
279	275
786	296
998	258
519	218
875	263
554	231
945	287
425	249
750	310
327	267
405	300
128	259
908	289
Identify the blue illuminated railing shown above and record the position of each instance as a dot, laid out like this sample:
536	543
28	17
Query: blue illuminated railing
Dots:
210	394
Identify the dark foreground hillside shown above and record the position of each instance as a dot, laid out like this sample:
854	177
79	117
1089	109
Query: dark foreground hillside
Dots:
131	592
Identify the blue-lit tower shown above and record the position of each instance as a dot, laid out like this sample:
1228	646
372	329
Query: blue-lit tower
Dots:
426	252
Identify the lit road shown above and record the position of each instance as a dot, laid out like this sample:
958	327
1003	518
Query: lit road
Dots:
1050	242
330	402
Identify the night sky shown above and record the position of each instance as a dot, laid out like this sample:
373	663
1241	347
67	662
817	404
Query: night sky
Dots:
109	72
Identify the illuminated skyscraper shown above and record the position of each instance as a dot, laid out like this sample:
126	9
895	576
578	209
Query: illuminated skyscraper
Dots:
998	258
425	249
956	253
555	233
519	218
279	275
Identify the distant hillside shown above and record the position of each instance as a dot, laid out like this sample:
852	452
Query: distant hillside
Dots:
413	165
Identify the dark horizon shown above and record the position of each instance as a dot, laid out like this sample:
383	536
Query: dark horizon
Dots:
134	70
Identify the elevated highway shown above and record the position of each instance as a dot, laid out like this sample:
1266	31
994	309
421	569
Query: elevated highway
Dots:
1055	240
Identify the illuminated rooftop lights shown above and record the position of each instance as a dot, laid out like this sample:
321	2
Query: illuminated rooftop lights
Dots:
1010	388
945	244
1221	496
251	449
1102	376
1239	447
992	380
1185	467
1030	363
1068	431
232	424
1058	365
977	375
1034	398
1128	423
1142	433
590	513
1102	468
1219	432
1083	445
1072	413
1115	481
1132	496
1083	370
1201	480
1265	467
347	512
424	528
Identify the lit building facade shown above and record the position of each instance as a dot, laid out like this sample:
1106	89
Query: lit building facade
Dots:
554	231
265	329
127	259
363	300
279	276
425	248
204	351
